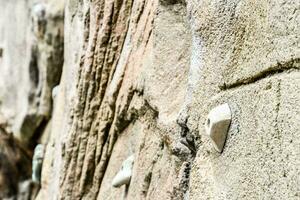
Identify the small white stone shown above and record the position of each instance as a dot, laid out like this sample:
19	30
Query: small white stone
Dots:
217	124
124	175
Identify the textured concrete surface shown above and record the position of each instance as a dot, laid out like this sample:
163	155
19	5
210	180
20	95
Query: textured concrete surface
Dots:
190	63
141	76
247	39
260	157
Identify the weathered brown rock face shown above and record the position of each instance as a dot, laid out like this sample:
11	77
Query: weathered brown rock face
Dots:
116	109
139	78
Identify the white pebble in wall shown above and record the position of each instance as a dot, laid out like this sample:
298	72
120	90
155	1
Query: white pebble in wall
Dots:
217	125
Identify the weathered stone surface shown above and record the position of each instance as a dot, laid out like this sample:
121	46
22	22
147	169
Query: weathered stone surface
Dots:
173	63
166	78
113	67
246	40
32	41
140	77
260	155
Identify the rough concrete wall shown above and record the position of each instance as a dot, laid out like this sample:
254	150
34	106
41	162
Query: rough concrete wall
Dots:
140	77
31	39
249	59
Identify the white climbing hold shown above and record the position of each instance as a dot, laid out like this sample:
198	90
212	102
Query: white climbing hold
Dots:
217	124
37	162
38	17
124	175
39	10
55	91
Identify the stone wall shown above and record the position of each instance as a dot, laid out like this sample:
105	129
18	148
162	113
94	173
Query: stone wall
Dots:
139	77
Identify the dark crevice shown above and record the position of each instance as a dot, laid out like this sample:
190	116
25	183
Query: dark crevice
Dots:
172	2
33	68
38	133
146	183
15	165
188	139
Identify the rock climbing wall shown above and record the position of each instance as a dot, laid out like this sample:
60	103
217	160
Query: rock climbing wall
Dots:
118	92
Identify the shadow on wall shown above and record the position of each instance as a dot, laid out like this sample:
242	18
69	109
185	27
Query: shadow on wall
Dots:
15	169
